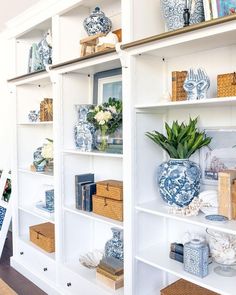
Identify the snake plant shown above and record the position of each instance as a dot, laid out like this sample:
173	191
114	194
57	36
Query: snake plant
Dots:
181	140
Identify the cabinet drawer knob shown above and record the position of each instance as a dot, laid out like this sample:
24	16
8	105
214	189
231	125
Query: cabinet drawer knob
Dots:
68	284
21	253
45	269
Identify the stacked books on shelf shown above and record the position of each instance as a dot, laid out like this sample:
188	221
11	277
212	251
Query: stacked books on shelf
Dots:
110	272
46	207
85	187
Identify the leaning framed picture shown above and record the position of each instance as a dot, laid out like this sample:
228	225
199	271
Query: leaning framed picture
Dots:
225	7
107	84
219	155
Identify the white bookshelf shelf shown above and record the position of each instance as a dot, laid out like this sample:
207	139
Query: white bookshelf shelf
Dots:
93	154
37	174
31	210
35	123
155	208
93	216
158	256
36	78
205	103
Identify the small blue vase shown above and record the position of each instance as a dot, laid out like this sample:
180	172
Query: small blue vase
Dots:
114	247
179	181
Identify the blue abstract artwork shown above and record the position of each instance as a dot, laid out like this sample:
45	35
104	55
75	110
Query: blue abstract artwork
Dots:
2	215
226	7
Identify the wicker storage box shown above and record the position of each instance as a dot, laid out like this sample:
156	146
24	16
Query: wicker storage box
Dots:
43	235
182	287
112	189
226	85
178	92
108	207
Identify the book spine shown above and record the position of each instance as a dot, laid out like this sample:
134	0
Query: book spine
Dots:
174	86
83	197
206	9
225	194
89	191
177	248
177	256
214	8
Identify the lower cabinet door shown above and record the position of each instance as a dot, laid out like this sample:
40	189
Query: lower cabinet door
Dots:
36	261
75	284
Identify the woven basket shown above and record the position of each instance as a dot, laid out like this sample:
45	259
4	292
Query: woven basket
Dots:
43	235
178	92
226	85
112	189
182	287
107	207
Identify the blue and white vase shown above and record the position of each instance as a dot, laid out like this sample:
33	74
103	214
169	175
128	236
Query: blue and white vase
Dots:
83	130
179	181
173	10
33	116
114	247
196	254
97	22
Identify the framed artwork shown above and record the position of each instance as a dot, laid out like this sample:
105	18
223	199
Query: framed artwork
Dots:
225	7
107	84
219	155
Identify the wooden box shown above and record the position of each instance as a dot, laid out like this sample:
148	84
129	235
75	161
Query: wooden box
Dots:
182	287
112	189
43	235
226	85
108	207
178	92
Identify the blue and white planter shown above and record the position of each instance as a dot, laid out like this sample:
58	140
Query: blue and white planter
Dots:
179	181
173	10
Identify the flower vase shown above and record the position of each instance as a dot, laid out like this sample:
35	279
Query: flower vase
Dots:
83	130
179	181
114	247
102	139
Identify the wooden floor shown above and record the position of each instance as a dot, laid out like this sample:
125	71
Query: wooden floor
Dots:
14	279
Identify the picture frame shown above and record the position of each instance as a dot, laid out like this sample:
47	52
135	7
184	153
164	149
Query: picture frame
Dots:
225	7
107	84
219	155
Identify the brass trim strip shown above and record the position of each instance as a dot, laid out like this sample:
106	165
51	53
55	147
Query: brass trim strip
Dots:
22	77
76	60
181	31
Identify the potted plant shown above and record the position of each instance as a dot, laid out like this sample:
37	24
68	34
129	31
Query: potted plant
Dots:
179	178
107	119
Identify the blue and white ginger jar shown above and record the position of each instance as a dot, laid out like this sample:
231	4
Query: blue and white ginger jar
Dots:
114	247
83	130
97	22
179	181
173	10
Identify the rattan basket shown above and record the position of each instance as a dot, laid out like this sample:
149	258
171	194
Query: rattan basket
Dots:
178	92
112	189
43	235
107	207
226	85
182	287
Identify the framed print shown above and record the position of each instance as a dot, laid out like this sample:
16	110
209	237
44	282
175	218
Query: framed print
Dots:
219	155
225	7
107	84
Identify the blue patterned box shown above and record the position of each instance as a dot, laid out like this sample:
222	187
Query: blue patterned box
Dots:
49	199
196	254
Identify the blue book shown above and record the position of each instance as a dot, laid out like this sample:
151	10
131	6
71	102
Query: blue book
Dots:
80	181
89	191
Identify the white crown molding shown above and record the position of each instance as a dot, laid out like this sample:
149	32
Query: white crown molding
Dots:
37	14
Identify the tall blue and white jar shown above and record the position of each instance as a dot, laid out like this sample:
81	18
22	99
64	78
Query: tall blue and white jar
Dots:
179	181
114	247
83	130
196	254
173	10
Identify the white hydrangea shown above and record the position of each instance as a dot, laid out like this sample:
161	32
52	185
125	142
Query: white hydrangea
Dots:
47	150
103	117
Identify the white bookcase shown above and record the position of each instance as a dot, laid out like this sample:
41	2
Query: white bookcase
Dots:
147	63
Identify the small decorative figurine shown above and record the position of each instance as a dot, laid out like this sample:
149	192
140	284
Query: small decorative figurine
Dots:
196	84
97	22
196	253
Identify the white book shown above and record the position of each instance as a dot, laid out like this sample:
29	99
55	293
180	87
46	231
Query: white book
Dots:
214	8
207	9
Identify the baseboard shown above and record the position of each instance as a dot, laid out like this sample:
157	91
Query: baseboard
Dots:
47	286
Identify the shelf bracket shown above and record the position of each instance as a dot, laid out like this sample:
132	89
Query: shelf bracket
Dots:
122	55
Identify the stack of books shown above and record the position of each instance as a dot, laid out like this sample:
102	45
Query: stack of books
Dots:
84	190
177	252
41	208
110	272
